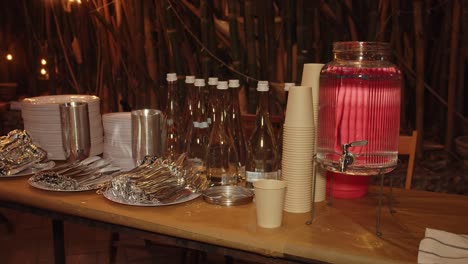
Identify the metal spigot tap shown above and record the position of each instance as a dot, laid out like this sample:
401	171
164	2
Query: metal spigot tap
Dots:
347	158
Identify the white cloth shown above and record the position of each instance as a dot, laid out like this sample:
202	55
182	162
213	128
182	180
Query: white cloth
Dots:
443	247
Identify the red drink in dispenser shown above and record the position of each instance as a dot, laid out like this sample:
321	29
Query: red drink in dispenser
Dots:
359	101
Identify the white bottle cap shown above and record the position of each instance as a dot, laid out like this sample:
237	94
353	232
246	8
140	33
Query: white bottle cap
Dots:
288	85
212	81
262	87
222	85
189	79
199	82
234	83
170	77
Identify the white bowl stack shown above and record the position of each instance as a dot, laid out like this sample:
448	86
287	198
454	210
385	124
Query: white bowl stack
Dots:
41	117
118	139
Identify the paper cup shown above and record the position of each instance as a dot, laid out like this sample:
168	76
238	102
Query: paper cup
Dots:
292	168
320	184
311	78
299	111
269	202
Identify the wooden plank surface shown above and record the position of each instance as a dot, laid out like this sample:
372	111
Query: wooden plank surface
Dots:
342	233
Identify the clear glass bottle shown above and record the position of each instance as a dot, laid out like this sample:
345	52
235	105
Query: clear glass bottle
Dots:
235	124
198	132
280	133
222	164
263	160
174	138
212	83
189	90
359	100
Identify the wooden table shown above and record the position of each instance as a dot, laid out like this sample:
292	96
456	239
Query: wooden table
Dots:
342	233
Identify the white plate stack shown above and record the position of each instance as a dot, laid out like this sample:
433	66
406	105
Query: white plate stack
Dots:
41	117
118	139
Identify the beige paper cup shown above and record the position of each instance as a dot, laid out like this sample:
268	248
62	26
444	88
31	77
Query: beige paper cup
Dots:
299	112
320	184
300	145
311	78
311	74
299	138
269	201
303	168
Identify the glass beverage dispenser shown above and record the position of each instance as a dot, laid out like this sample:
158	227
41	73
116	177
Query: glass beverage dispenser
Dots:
359	110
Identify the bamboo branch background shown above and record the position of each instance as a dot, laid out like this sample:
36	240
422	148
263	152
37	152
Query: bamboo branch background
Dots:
121	50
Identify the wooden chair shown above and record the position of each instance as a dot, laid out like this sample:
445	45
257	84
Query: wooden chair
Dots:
407	146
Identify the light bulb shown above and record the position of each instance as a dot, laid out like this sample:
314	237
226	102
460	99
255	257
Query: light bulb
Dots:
43	61
9	57
43	71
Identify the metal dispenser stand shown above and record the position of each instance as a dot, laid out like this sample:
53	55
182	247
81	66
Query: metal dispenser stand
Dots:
346	159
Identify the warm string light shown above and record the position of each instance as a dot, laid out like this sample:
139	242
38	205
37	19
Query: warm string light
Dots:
9	57
67	5
43	73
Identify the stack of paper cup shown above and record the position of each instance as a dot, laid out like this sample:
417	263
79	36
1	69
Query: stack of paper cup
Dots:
298	150
311	78
118	139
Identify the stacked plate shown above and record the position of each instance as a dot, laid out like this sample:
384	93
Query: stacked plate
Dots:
41	118
118	139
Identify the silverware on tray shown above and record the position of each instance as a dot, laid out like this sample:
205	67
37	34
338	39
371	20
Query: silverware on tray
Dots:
156	181
79	175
